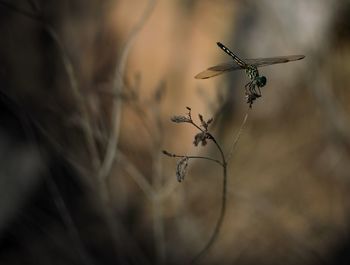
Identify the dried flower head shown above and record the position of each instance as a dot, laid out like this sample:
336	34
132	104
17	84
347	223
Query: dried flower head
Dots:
204	124
210	121
180	118
201	138
165	152
181	168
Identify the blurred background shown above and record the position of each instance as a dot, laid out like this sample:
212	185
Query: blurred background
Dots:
87	89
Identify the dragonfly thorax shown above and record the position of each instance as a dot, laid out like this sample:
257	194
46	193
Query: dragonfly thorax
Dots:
252	72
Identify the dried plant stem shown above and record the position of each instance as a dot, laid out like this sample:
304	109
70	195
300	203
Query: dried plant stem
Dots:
201	138
223	204
224	189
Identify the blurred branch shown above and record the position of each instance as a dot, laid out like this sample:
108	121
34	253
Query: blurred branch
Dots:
157	169
151	121
88	130
88	133
21	11
137	176
68	220
118	86
59	149
30	127
78	98
34	4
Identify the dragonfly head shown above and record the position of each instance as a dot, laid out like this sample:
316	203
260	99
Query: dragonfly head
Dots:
261	81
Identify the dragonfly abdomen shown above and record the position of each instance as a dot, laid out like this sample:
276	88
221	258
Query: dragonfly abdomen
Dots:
234	57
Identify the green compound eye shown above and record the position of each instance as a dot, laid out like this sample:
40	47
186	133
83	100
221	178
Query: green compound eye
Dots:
261	81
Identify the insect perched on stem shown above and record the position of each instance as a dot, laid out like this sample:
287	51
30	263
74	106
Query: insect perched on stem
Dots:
252	89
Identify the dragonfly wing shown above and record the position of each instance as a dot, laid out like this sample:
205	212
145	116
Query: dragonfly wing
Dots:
218	70
273	60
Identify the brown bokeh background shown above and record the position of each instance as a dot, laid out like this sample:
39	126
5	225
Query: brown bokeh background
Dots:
87	92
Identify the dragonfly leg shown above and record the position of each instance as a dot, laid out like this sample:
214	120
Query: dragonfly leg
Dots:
248	88
252	90
249	94
250	99
252	93
259	91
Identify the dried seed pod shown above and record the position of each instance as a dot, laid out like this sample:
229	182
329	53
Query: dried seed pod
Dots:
180	118
181	168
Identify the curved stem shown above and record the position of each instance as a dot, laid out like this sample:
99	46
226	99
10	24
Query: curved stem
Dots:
220	220
219	148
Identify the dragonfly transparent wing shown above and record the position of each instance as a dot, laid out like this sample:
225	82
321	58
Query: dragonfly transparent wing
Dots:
231	66
218	70
259	62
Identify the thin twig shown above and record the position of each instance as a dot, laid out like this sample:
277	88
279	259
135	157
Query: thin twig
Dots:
195	157
238	135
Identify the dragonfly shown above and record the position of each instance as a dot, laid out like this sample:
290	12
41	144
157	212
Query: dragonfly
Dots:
252	88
